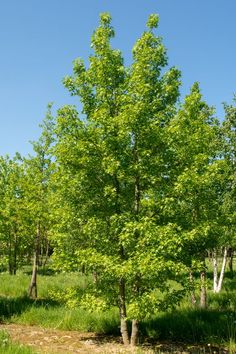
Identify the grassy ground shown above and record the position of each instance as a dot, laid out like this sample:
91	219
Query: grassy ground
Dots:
214	326
8	347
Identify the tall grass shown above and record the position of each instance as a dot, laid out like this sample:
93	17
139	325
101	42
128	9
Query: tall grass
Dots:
70	319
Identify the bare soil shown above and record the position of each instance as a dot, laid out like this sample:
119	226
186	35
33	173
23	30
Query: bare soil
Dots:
52	341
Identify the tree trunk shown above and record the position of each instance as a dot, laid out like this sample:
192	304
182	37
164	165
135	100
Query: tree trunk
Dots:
203	292
83	269
32	292
215	271
193	297
123	314
15	255
220	282
137	198
46	254
230	257
134	333
122	301
95	277
10	268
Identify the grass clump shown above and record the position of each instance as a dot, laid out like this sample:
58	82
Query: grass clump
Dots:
77	319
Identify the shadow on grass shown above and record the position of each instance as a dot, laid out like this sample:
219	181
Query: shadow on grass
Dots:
230	283
10	306
41	271
192	326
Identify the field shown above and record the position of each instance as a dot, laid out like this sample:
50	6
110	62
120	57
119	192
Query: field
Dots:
56	309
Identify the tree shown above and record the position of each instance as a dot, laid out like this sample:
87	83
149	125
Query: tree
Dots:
14	240
113	169
39	169
198	180
229	154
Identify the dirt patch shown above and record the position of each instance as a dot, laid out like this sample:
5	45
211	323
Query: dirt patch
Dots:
51	341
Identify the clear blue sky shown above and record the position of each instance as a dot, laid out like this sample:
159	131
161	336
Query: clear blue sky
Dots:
40	39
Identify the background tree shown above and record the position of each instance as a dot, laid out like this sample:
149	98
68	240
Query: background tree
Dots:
198	182
39	169
229	136
14	239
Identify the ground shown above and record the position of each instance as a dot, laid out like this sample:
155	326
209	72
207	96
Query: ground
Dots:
51	341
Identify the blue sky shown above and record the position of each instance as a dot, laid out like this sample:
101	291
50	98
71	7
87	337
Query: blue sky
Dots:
40	39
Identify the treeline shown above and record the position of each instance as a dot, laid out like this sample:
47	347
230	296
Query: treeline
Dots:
138	189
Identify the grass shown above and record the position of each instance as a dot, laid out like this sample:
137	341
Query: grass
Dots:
214	326
17	285
49	310
70	319
192	326
8	347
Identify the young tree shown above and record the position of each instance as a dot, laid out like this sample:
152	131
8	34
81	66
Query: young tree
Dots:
197	177
113	168
229	201
39	169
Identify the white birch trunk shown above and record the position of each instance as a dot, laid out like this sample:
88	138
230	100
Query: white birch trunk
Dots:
220	282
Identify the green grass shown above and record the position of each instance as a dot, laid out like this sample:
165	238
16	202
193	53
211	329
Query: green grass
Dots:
8	347
17	285
192	326
49	310
216	325
70	319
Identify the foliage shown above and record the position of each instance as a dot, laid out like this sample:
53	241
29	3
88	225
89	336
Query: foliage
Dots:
15	242
112	170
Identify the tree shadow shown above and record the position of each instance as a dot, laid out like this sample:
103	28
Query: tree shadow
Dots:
191	326
10	306
229	282
42	271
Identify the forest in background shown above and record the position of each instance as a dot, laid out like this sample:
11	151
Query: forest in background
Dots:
136	191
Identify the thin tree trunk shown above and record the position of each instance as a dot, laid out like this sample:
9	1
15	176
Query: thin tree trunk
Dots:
220	282
122	301
215	271
123	314
193	297
95	277
203	292
15	254
46	254
32	292
137	198
230	257
10	270
135	324
83	269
